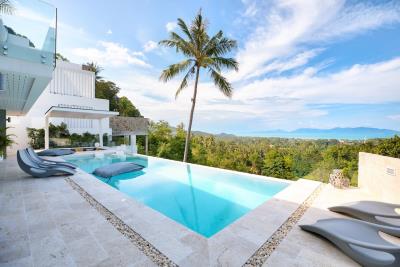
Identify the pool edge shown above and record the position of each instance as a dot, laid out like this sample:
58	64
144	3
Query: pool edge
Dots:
237	242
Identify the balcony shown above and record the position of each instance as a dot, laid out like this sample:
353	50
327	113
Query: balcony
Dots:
27	53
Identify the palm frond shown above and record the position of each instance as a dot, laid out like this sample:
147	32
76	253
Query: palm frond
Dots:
185	46
174	70
224	45
213	41
198	29
227	63
177	42
185	80
220	81
6	7
185	29
96	68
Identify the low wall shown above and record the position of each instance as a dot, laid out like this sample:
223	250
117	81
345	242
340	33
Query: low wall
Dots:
380	176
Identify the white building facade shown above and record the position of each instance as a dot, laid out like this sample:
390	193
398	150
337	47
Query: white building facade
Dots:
68	98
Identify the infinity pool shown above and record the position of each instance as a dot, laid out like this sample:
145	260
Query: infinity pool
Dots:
203	199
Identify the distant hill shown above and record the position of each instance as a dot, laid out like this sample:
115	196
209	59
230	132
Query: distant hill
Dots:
357	133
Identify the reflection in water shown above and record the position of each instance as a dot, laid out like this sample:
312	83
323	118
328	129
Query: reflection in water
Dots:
204	200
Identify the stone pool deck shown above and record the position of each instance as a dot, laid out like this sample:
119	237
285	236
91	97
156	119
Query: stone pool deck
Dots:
45	222
80	221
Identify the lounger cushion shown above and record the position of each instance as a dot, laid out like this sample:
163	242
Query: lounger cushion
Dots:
56	152
371	211
117	168
360	240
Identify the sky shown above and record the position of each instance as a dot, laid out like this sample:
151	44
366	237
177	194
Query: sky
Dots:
302	64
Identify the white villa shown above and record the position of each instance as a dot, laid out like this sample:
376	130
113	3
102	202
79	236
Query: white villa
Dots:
150	211
70	98
36	89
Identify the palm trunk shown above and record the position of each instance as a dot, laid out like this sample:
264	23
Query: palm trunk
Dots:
187	142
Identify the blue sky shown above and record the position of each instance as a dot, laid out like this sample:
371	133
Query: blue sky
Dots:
318	64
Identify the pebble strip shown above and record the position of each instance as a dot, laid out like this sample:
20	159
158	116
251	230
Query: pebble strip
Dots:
148	249
262	254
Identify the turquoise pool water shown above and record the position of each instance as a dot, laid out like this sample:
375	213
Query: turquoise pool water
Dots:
203	199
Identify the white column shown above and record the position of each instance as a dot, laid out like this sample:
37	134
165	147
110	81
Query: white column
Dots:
109	140
133	144
46	132
101	132
147	144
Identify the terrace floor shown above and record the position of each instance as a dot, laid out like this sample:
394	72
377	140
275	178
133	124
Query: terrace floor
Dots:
48	222
44	222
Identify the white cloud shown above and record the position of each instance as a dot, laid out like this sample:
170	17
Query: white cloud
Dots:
149	46
288	35
278	102
283	27
359	84
111	54
109	31
281	65
170	26
395	117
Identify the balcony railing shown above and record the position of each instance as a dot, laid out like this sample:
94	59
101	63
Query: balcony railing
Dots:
28	32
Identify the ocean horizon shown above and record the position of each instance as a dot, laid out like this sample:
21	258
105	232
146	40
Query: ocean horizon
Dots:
360	133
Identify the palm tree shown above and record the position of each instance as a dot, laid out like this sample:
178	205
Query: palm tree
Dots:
6	7
5	140
202	52
94	67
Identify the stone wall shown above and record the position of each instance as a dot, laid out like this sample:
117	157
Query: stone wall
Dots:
380	176
129	125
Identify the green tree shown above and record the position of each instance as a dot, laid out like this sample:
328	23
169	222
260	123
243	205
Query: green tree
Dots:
202	52
108	90
275	165
389	147
126	108
175	146
96	68
36	138
61	57
5	140
58	131
159	134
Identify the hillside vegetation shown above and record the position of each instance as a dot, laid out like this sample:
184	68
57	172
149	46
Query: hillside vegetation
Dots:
277	157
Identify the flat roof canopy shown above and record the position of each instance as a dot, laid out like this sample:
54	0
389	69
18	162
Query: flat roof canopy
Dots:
80	113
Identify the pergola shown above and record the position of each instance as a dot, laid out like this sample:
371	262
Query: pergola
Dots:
130	126
77	113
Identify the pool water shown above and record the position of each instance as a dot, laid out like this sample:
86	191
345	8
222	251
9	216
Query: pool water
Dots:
203	199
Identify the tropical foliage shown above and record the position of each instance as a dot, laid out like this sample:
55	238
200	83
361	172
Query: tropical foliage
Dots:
5	140
61	57
96	68
109	90
202	52
36	137
276	157
60	132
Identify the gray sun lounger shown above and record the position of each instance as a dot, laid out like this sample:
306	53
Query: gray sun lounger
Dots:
46	162
32	168
360	240
371	211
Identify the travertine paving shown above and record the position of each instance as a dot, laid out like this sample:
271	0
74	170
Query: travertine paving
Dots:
44	222
301	248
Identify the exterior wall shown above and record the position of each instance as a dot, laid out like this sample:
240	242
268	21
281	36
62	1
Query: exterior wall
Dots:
70	79
2	125
380	176
71	87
